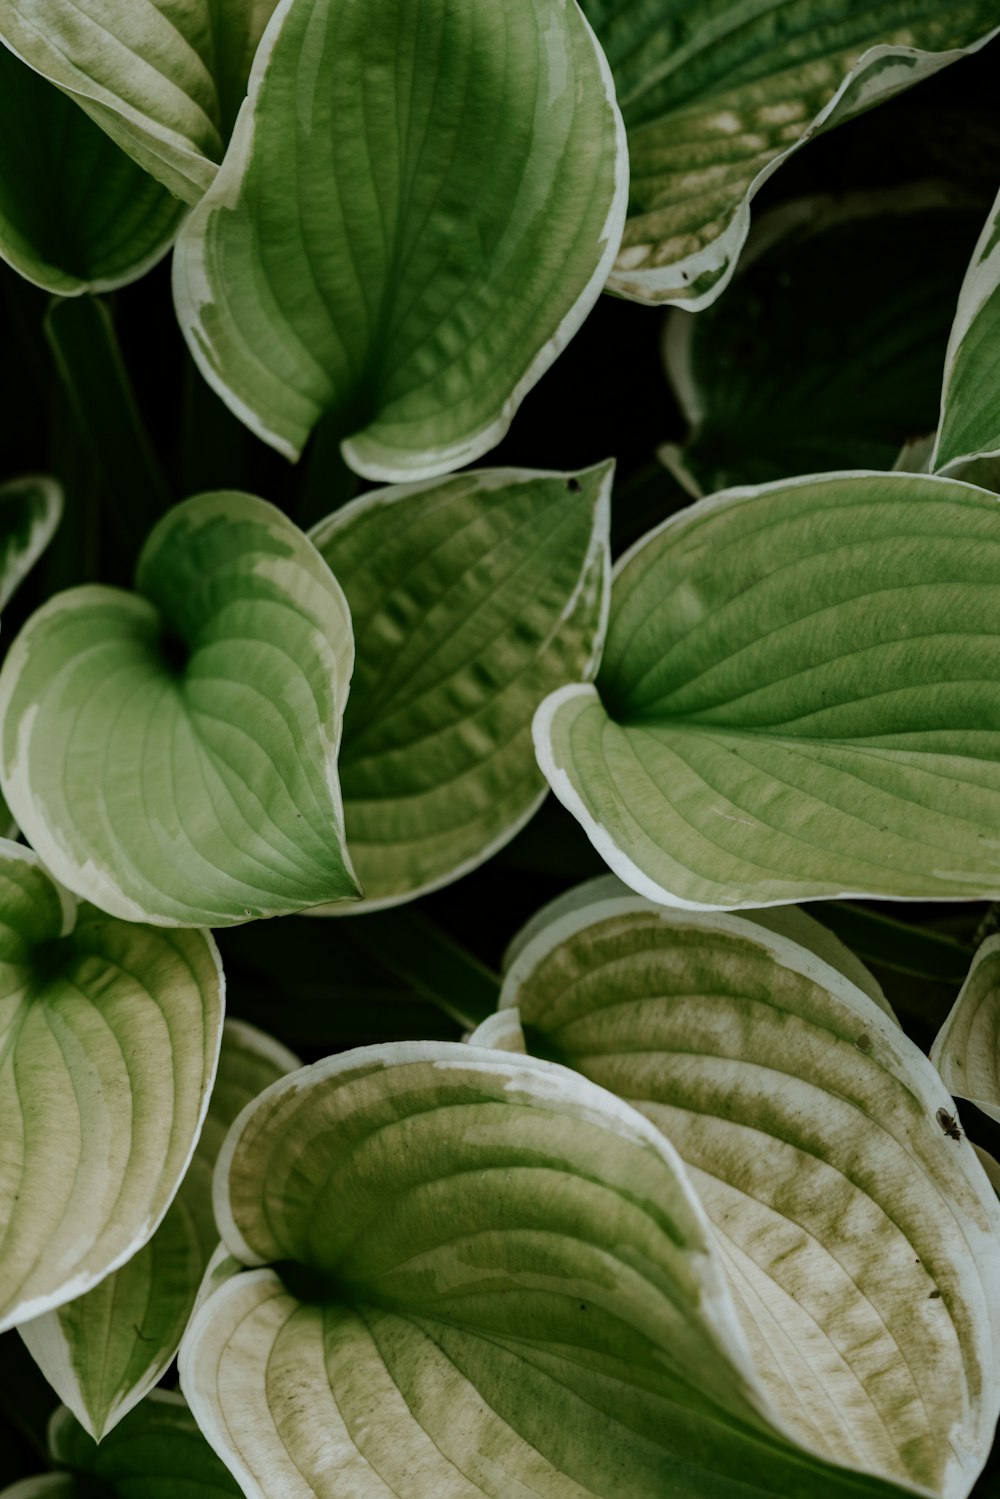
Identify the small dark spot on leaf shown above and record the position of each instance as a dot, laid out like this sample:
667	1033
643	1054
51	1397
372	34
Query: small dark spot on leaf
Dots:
934	1296
864	1042
583	1306
949	1124
573	485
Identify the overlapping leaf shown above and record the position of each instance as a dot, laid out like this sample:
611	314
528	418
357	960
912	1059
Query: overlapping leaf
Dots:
412	220
103	1351
828	348
859	1237
715	97
472	598
76	213
171	753
967	1048
797	698
109	1038
164	81
969	425
156	1450
30	509
501	1262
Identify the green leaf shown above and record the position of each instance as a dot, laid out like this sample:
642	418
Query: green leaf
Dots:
412	221
472	598
164	81
76	214
156	1450
966	1050
109	1039
501	1261
787	921
715	97
827	351
969	426
860	1240
220	686
30	511
797	699
104	1351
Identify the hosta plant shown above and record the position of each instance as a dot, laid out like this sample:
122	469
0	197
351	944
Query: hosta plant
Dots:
372	1121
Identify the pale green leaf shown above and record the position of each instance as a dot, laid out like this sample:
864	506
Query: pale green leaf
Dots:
156	1451
104	1351
483	1276
165	81
109	1039
76	213
413	219
798	699
860	1239
171	753
716	96
472	598
966	1050
827	351
969	425
787	921
30	510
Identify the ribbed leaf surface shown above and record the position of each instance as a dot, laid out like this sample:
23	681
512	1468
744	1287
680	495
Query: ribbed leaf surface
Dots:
859	1237
171	753
109	1038
412	220
103	1351
165	81
717	95
489	1278
76	213
472	598
798	698
966	1050
969	425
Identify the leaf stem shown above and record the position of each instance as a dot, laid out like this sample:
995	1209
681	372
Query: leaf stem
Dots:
89	359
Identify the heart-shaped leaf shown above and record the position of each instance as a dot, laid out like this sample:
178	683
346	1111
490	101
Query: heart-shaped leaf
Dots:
715	98
164	81
473	598
860	1237
966	1050
76	213
489	1278
969	426
827	351
413	219
171	753
104	1351
797	698
30	510
109	1038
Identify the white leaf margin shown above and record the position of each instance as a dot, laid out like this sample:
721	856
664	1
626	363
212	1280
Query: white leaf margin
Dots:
672	283
598	551
77	1284
970	1450
982	280
193	291
617	860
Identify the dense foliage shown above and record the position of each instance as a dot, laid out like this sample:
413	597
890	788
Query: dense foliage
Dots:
500	572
